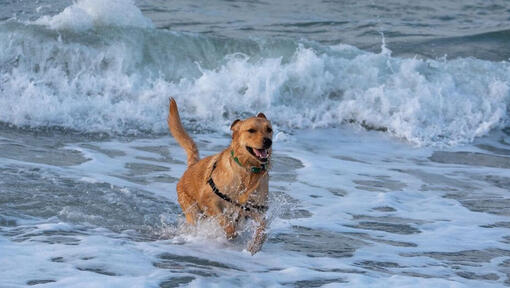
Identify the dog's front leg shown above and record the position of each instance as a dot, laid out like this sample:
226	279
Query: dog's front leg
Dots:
259	237
229	226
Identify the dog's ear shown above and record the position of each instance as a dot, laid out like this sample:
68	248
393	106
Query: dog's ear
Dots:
234	124
261	115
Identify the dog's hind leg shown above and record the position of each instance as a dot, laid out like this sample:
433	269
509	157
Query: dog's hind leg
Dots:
189	207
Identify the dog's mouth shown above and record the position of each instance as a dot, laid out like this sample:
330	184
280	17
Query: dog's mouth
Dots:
261	154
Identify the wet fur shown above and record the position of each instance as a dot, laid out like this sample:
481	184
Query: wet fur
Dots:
195	195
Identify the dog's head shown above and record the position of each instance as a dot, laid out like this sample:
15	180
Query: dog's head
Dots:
252	139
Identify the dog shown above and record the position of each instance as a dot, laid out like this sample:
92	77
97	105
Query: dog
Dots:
231	185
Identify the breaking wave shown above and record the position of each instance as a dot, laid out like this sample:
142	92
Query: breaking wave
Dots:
100	70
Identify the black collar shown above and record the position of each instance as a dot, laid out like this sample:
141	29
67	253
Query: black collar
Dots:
246	207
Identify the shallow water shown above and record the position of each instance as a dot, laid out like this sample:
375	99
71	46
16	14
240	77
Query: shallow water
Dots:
358	209
390	164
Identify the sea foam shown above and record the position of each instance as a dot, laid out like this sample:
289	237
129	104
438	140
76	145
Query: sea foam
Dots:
86	14
118	79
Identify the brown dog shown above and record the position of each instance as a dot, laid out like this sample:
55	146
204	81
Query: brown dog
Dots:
230	185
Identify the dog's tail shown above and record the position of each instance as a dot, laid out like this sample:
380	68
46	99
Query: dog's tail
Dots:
175	126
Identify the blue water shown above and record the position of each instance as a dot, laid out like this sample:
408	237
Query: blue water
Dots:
391	141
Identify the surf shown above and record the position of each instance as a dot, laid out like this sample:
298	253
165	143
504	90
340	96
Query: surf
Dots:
113	74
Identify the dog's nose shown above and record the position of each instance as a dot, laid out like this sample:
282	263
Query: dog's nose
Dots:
267	143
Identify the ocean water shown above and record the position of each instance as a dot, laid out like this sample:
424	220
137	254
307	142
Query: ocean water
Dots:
391	151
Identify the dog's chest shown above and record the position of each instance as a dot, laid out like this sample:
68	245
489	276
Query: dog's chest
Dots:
243	188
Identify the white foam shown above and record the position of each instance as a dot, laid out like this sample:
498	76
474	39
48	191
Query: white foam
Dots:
116	88
298	248
423	101
86	14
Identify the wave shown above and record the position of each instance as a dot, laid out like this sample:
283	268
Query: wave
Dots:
116	75
87	14
488	45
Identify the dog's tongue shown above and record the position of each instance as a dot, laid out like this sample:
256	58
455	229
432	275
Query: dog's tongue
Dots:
261	153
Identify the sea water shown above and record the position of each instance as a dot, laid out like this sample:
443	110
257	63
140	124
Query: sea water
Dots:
391	149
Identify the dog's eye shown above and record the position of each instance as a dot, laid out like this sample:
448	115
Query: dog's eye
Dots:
252	130
269	130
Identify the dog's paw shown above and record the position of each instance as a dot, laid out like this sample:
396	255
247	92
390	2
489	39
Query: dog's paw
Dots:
231	236
254	248
256	244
